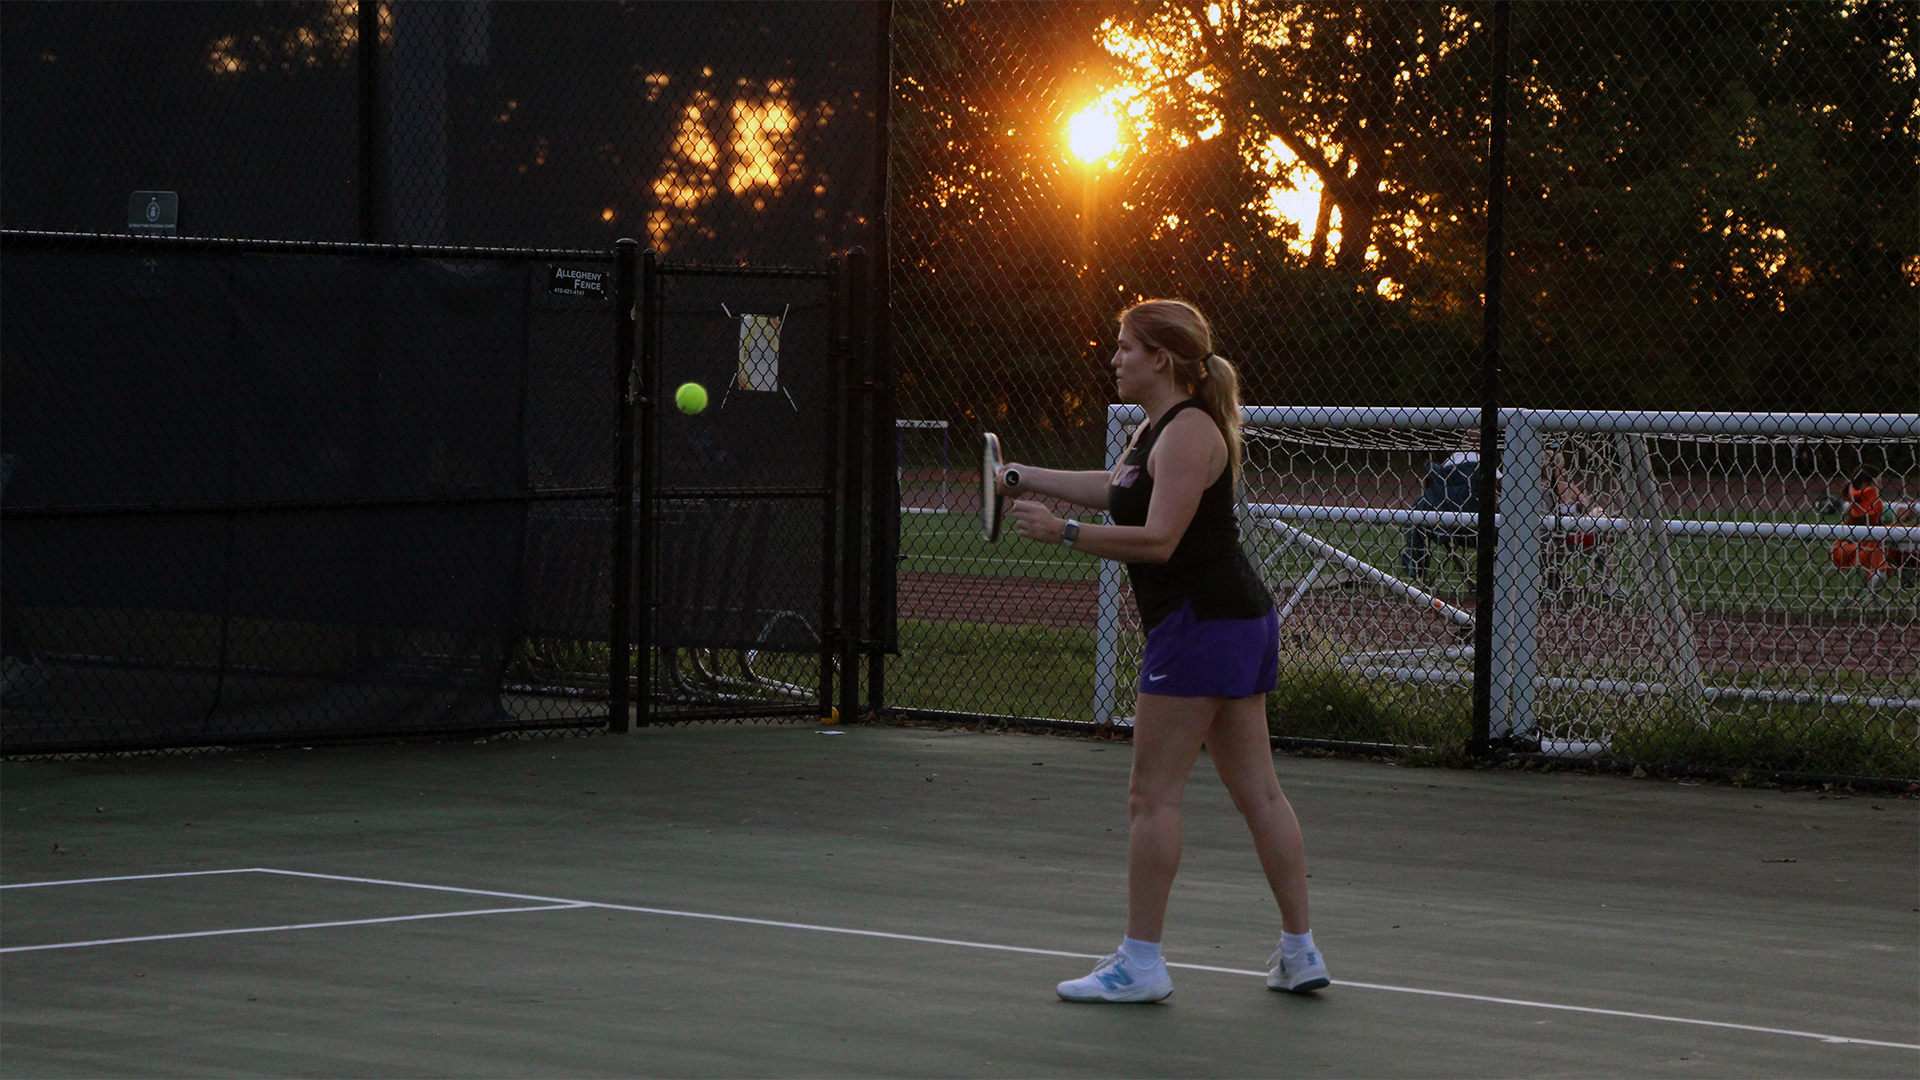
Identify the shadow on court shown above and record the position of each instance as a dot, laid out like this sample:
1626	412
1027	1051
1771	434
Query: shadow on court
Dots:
1626	927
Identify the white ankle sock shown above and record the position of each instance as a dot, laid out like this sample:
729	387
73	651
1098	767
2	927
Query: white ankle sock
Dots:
1143	954
1294	944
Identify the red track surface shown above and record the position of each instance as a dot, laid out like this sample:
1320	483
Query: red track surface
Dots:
992	598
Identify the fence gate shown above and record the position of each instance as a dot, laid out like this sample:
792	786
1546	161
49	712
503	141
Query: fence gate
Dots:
737	587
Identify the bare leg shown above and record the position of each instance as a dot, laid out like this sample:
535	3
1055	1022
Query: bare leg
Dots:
1167	733
1243	755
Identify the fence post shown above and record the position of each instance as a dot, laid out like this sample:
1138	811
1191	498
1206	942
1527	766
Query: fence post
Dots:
1515	626
856	386
883	499
1106	626
885	502
370	134
620	636
646	393
1486	592
831	626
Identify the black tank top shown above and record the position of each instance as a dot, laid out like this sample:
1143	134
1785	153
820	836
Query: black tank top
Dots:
1208	568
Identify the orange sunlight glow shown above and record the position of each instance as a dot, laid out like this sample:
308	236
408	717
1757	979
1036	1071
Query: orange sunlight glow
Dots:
1094	133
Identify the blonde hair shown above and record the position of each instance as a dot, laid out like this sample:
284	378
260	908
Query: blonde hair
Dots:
1178	327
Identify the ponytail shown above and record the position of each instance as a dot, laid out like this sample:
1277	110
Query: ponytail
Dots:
1219	393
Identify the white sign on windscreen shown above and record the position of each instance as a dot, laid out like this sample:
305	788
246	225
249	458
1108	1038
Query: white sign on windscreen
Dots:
758	367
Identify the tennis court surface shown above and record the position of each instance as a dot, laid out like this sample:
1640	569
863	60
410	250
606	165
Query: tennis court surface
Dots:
780	901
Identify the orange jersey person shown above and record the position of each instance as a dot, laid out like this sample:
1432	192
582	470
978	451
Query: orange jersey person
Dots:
1864	507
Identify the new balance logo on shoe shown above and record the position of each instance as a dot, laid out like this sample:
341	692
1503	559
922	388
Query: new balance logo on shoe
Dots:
1114	979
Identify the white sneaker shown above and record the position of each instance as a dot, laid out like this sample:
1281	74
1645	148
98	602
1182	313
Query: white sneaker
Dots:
1301	973
1116	979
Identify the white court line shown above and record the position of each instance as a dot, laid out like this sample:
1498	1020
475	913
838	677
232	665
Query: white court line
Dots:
291	926
555	903
1095	956
1579	1009
697	915
129	877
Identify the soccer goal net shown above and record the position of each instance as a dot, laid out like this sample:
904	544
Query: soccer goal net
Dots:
1650	567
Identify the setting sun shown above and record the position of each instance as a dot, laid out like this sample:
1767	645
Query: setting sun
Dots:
1093	134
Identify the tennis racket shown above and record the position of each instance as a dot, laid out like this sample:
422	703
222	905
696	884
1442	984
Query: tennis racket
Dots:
991	501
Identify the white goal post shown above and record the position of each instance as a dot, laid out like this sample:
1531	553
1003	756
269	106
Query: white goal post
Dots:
921	503
1580	478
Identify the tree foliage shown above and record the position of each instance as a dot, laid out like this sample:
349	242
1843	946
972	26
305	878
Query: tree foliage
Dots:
1711	205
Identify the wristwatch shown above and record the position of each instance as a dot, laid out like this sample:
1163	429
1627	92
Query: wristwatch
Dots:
1069	533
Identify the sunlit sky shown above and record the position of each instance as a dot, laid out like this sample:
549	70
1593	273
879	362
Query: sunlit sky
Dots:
1099	134
1294	196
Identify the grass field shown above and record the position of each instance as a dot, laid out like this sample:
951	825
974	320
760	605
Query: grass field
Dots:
1034	671
951	544
1775	577
985	668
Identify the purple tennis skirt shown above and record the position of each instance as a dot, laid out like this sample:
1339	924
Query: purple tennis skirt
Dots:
1230	658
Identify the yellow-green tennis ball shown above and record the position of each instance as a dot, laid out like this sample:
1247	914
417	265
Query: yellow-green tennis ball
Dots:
691	397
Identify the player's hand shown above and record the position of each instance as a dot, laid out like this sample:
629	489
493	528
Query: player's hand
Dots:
1036	522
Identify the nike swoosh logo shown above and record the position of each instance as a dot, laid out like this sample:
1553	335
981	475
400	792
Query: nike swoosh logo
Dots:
1155	678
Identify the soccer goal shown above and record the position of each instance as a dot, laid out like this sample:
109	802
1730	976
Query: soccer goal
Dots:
1671	564
923	466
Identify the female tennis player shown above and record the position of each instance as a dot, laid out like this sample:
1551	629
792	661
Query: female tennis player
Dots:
1212	650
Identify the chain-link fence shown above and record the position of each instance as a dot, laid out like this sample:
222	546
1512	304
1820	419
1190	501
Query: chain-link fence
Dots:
723	133
353	474
1710	212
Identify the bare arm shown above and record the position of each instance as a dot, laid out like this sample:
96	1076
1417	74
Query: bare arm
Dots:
1086	488
1189	456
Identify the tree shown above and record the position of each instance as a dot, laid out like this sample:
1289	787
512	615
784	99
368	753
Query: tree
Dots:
1377	106
1711	205
1714	204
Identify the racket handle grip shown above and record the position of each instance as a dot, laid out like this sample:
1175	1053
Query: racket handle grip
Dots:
1010	477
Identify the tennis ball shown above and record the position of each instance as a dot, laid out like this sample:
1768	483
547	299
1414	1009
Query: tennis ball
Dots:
691	397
